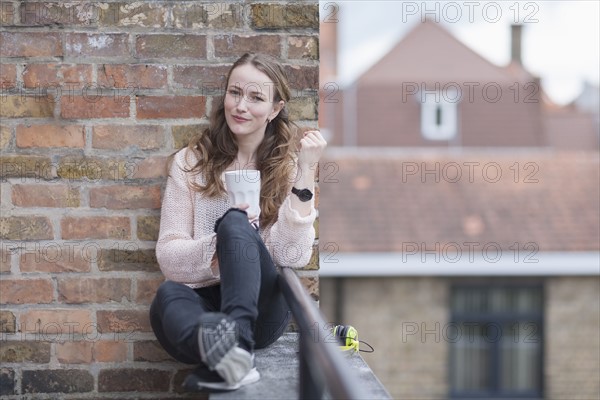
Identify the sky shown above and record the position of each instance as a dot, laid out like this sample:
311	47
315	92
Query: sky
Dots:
561	39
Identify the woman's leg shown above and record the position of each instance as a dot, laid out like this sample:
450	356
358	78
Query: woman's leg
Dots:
175	314
250	291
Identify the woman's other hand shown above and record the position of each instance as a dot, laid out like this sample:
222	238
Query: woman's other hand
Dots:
312	146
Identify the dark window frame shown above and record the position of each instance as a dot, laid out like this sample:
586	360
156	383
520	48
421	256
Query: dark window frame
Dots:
498	318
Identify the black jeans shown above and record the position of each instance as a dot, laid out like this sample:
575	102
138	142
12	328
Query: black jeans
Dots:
249	293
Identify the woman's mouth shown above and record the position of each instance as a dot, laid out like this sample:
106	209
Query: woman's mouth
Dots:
239	119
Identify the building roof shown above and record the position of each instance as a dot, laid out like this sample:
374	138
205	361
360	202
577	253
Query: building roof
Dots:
429	53
383	200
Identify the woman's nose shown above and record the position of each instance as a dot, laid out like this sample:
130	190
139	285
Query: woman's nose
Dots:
242	103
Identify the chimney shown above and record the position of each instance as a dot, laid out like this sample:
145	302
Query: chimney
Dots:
515	45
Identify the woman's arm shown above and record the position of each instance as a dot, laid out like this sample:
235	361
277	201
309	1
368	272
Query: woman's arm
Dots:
290	239
312	146
182	257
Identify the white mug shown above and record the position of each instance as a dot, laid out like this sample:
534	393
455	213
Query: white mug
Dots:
243	186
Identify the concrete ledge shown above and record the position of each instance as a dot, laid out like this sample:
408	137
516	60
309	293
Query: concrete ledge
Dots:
279	369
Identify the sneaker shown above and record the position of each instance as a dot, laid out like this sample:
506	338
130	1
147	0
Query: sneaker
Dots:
219	350
203	379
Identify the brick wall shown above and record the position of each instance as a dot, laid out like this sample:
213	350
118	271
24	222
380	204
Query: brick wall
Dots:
95	96
409	366
572	349
411	343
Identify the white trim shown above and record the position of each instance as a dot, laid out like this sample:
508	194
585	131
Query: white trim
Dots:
446	127
476	264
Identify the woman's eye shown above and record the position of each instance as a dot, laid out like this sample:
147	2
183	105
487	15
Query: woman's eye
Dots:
234	92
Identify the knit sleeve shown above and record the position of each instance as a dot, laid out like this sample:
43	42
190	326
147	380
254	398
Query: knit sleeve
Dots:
183	257
291	238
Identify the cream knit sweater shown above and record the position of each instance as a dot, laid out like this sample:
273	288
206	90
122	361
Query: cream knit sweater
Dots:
187	242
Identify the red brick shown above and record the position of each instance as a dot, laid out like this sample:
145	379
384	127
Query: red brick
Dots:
57	321
119	137
148	227
14	106
95	228
311	285
35	167
6	255
26	291
303	47
56	257
207	79
217	15
65	76
151	167
170	107
31	44
183	134
7	13
302	77
50	135
133	380
150	351
74	352
302	108
171	46
25	351
109	351
59	14
128	257
289	15
41	75
125	197
94	106
234	46
190	15
95	168
57	381
96	45
123	321
136	76
7	322
7	375
5	136
25	228
136	14
146	290
45	196
76	76
8	76
90	290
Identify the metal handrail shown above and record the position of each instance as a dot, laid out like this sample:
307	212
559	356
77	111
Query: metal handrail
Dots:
321	364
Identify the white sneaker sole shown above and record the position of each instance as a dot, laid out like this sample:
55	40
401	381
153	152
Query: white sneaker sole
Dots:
234	366
251	377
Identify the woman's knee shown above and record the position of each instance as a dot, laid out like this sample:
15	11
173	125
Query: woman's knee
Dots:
234	222
166	290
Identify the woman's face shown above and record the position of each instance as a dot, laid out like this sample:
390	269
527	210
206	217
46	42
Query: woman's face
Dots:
249	101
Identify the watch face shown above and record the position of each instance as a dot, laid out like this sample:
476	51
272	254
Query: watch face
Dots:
303	194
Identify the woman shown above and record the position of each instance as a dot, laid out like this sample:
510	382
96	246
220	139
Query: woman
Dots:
221	299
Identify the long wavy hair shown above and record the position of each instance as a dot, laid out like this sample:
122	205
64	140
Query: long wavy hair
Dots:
216	147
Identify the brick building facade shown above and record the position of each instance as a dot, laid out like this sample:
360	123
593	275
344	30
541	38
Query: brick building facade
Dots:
95	97
431	90
402	233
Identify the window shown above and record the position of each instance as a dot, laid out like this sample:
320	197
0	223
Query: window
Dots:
496	347
438	115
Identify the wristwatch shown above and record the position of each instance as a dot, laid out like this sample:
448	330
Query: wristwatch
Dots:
303	194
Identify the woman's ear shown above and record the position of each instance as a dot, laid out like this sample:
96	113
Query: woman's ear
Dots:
276	109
